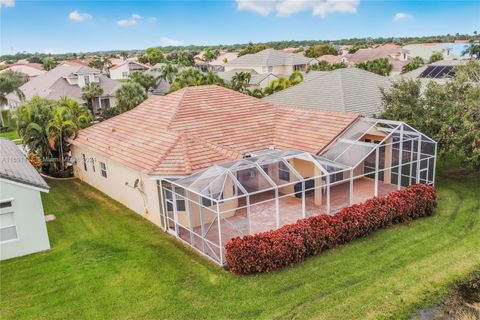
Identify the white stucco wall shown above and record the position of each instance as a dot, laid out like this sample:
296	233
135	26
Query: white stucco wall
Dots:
114	185
29	219
116	73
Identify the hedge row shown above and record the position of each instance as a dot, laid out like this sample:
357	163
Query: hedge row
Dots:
292	243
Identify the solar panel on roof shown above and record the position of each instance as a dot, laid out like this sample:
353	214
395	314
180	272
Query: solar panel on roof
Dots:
438	72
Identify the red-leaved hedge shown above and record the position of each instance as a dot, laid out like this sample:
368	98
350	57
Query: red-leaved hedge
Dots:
292	243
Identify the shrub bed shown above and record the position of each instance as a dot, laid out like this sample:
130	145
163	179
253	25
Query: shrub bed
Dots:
292	243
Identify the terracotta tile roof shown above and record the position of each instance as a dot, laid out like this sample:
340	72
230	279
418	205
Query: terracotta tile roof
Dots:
196	127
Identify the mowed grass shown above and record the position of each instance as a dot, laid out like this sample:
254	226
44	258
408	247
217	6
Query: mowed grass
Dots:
107	262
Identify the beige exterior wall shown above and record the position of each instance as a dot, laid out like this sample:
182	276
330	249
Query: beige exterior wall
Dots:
119	183
118	73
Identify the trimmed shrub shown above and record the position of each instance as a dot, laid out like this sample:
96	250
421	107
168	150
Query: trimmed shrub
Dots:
292	243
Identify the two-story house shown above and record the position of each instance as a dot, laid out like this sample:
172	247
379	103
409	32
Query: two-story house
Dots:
67	80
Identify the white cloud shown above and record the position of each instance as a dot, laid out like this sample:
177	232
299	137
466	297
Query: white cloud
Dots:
402	16
130	21
79	16
7	3
287	7
165	41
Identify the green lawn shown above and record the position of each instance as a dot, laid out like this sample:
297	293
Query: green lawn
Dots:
10	135
108	263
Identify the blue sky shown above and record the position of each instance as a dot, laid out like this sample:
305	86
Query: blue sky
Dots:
80	26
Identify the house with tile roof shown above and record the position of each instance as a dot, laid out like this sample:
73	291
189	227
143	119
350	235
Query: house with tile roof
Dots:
67	80
256	80
271	61
425	50
124	69
30	70
343	90
398	57
22	223
208	163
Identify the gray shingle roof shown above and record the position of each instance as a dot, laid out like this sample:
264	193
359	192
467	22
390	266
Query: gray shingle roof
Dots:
15	167
345	90
269	57
53	85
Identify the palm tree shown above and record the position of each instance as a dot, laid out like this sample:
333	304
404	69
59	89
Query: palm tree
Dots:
240	81
210	54
295	78
49	63
147	81
60	127
130	95
168	72
11	81
124	55
81	115
257	93
32	119
90	91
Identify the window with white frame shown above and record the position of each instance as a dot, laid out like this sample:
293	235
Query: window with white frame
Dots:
87	79
103	169
84	158
270	69
125	74
283	172
8	228
93	165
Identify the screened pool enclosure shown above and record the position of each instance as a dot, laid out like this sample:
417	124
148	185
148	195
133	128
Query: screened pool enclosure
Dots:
270	188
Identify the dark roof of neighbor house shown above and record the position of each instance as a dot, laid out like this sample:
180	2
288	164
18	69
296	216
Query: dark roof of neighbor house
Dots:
343	90
16	167
196	127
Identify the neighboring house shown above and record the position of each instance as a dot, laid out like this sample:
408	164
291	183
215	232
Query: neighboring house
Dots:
330	58
163	87
67	81
123	70
271	61
30	70
208	163
256	80
344	90
398	57
22	223
440	72
425	50
217	65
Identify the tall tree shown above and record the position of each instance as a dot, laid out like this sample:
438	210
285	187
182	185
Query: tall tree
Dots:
295	78
130	95
436	56
416	63
152	56
147	81
91	91
252	48
379	66
60	127
323	65
168	72
448	113
320	50
210	54
11	81
240	81
49	63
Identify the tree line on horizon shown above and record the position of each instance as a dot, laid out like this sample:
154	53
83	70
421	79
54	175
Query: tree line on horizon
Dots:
238	47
